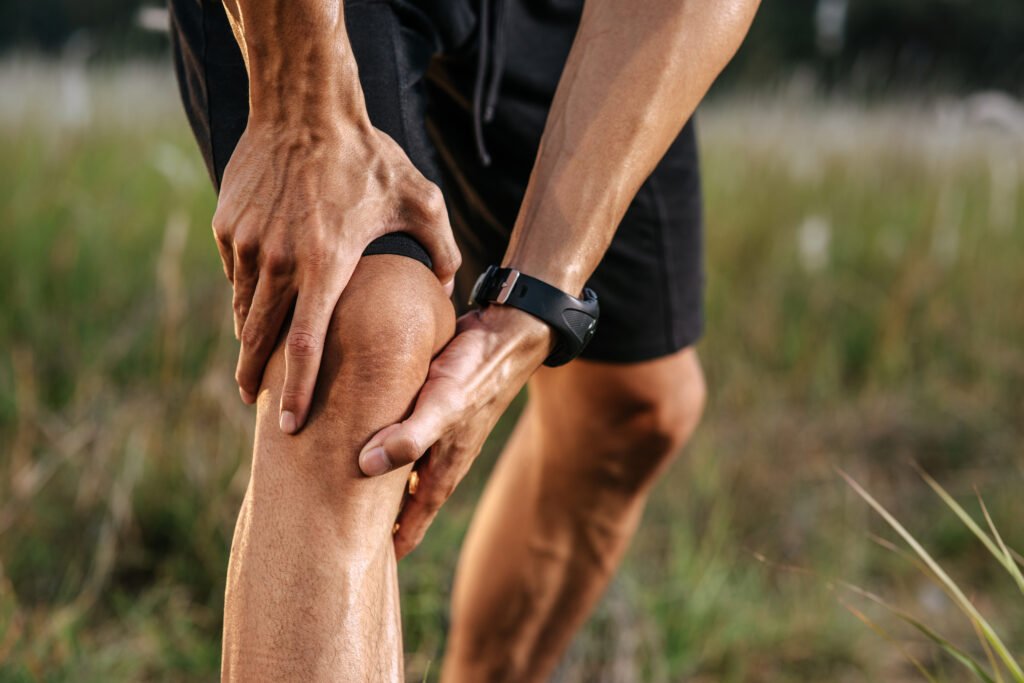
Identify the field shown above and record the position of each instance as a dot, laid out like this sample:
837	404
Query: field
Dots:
865	311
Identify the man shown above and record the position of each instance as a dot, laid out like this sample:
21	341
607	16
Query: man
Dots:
559	135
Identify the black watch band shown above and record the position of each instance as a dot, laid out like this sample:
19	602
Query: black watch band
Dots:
574	320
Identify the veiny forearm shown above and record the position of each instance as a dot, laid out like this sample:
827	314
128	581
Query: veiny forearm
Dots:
302	74
633	78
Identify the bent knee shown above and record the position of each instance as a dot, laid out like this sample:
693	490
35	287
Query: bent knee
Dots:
661	417
391	319
631	420
394	306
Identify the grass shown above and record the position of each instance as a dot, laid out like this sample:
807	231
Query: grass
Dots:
863	310
999	657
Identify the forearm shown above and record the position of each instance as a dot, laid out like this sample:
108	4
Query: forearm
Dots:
632	80
302	73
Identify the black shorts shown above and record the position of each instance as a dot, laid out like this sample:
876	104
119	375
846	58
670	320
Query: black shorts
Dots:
420	69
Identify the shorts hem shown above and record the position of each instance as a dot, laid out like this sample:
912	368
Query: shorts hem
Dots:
637	354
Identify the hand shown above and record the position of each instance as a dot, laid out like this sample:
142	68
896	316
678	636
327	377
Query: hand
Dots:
297	207
469	386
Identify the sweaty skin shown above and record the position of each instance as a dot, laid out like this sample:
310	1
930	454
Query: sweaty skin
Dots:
312	593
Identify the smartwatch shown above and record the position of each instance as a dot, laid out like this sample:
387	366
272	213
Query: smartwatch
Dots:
574	320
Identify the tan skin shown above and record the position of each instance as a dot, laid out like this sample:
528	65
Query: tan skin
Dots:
312	592
632	80
560	509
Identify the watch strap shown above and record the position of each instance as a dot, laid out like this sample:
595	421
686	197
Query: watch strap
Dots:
574	319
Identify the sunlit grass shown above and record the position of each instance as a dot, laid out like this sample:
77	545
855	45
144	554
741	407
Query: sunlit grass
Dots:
1000	659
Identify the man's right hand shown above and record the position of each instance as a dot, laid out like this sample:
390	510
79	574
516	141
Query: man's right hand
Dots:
297	207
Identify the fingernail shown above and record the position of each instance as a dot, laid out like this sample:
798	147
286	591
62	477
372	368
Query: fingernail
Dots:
246	396
288	424
374	461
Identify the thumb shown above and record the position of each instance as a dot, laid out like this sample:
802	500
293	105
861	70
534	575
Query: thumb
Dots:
405	442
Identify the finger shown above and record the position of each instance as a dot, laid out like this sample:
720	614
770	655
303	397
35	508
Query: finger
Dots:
436	410
305	344
270	306
246	276
227	258
434	231
438	475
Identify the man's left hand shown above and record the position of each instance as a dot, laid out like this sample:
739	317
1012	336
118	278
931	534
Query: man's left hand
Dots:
470	384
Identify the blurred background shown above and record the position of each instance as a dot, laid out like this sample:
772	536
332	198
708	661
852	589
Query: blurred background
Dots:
864	180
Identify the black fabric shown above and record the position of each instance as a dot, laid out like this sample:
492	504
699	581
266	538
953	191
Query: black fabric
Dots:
215	90
418	63
401	244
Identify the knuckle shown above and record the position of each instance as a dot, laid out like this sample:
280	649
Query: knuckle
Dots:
405	448
437	497
247	246
404	545
243	379
454	261
277	261
432	202
303	344
218	225
252	337
291	398
242	300
223	226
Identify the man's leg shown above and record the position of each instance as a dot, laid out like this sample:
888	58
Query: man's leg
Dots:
312	592
561	508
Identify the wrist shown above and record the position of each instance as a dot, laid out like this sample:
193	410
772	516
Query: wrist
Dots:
555	254
534	338
315	86
313	136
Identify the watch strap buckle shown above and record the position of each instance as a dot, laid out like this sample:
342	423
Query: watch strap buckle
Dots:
506	286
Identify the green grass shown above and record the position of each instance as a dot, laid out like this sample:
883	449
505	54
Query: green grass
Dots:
864	310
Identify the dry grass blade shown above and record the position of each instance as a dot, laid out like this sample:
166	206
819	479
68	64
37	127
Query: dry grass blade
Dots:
999	552
952	650
960	599
886	636
923	568
1010	564
988	651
